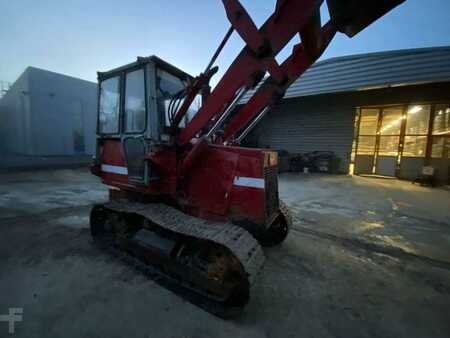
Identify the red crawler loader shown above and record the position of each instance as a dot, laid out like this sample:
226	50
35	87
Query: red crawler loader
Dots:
186	201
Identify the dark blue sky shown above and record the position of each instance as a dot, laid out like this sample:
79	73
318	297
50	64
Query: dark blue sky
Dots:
79	37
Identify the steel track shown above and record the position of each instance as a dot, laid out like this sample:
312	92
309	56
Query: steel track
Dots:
240	243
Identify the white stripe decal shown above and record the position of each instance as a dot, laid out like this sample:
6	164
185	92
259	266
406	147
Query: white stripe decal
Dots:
114	169
249	182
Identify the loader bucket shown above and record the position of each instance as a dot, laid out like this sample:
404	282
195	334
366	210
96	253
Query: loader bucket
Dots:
352	16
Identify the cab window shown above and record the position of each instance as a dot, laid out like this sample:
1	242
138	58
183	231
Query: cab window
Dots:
168	88
109	106
135	112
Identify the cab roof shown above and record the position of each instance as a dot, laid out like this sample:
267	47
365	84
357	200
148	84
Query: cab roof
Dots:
147	59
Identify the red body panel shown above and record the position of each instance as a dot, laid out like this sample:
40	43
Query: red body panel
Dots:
112	155
216	189
224	184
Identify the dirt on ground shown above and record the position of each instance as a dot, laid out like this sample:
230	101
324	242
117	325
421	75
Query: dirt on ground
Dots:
336	275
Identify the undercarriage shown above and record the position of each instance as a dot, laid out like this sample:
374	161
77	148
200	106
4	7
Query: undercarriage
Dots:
211	264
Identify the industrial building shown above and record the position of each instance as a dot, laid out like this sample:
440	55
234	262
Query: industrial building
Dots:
46	114
385	113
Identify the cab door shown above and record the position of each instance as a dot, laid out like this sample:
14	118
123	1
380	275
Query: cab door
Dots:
134	124
111	160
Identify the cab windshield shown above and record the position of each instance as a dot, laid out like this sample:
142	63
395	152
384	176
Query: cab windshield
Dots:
170	92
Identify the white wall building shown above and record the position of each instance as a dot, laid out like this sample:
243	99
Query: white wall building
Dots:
48	114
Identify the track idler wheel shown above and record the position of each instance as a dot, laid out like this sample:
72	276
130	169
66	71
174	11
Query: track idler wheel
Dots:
279	229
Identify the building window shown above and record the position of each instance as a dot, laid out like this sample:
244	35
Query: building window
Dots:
388	145
440	144
440	147
109	106
391	121
417	120
416	131
369	121
441	123
355	135
415	146
437	147
400	132
135	116
366	145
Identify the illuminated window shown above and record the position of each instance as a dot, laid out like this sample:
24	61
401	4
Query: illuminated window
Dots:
447	148
366	145
383	131
415	146
391	122
437	147
441	123
417	120
369	121
388	145
440	147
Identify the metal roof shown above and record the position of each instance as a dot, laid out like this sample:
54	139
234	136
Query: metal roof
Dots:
371	71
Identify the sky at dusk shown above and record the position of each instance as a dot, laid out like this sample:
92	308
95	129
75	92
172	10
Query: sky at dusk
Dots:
80	37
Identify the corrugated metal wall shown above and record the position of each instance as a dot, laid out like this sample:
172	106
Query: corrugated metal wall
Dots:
300	126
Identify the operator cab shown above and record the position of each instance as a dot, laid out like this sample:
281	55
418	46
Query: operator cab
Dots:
134	99
135	105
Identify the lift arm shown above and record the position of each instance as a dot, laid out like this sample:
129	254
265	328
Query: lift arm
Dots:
255	59
291	17
271	91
